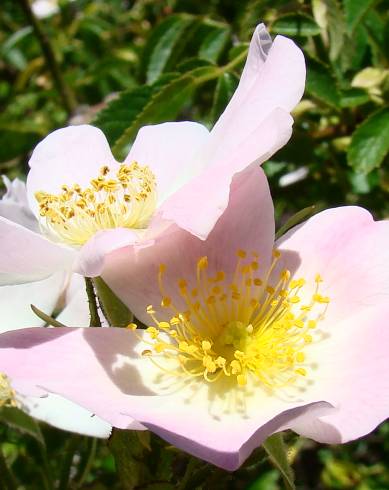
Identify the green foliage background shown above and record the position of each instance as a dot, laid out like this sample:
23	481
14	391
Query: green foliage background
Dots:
129	63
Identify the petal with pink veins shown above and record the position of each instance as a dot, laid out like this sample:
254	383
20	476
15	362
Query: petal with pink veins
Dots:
27	256
248	222
120	386
72	155
349	250
169	150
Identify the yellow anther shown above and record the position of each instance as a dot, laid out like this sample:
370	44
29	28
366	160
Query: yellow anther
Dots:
294	299
318	278
301	371
162	268
164	325
206	345
241	379
166	302
132	326
182	284
300	357
153	332
254	265
241	254
147	352
276	254
258	282
202	263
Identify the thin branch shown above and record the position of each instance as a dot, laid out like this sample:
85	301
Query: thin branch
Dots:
92	301
49	55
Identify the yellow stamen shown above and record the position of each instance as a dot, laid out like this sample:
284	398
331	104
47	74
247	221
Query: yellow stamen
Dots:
246	329
125	198
7	394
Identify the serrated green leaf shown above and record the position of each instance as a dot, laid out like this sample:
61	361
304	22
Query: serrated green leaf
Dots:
164	40
277	452
225	87
122	111
165	104
321	83
370	142
355	10
15	418
214	43
296	25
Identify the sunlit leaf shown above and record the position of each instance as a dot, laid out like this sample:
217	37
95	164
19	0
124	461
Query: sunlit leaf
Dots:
370	142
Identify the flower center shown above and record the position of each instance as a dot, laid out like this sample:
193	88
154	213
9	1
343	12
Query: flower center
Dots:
125	199
7	394
246	329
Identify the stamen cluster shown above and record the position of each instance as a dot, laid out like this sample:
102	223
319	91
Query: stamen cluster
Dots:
7	395
126	198
242	329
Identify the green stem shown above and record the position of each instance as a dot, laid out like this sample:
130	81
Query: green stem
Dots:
49	55
93	307
91	454
115	311
67	464
7	480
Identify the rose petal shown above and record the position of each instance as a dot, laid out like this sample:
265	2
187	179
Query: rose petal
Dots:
248	223
273	78
349	250
353	374
197	206
67	156
27	256
91	257
16	301
169	150
14	205
65	415
117	382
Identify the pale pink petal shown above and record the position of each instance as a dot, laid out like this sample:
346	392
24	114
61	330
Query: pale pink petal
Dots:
14	204
67	156
16	301
248	223
197	206
273	78
65	415
108	377
353	374
349	250
91	257
169	149
27	256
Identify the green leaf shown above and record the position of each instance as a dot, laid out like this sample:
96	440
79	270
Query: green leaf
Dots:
15	418
277	452
321	83
214	44
165	104
354	97
355	11
370	142
16	143
122	111
167	37
225	87
295	220
296	25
